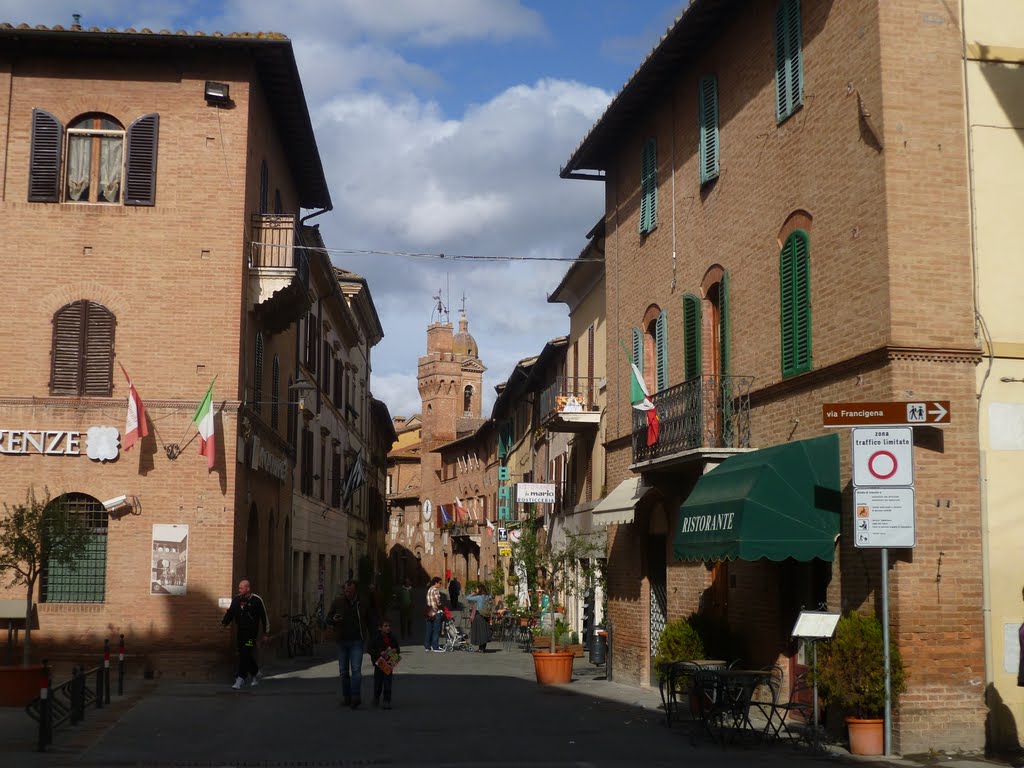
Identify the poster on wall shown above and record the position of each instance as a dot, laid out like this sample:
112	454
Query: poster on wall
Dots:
170	560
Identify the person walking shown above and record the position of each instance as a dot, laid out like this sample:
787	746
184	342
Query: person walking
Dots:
405	609
454	590
480	618
381	678
249	615
348	620
433	615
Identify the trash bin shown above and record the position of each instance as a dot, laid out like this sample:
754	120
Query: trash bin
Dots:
598	646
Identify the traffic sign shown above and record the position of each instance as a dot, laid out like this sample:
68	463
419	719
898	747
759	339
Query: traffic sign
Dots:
883	457
883	517
894	413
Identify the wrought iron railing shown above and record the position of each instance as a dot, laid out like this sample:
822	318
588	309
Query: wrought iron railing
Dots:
569	394
703	412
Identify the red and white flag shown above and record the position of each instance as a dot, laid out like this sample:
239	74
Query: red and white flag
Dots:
490	528
461	515
135	423
641	401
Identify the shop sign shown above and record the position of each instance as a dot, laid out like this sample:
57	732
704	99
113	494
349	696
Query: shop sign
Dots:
268	461
535	493
101	443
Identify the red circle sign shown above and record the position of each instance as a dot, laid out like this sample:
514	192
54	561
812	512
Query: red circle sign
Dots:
880	471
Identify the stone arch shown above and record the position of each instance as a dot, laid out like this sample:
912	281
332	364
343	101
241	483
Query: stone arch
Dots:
798	219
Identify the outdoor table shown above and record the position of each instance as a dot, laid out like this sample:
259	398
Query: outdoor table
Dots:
724	699
676	678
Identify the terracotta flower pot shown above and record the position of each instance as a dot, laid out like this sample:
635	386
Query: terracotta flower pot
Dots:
553	668
867	737
19	685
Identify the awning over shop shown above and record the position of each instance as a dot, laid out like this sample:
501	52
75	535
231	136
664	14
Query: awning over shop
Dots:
774	503
619	506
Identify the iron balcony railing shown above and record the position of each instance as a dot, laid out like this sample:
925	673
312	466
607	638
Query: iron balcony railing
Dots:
569	394
703	412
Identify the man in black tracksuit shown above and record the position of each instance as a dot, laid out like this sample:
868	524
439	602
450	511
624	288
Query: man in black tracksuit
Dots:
250	615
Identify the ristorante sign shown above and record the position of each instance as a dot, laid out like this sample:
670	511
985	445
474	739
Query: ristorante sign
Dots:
704	523
99	443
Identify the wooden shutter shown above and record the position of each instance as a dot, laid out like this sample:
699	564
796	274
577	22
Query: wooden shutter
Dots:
44	158
649	187
788	59
723	324
66	362
661	350
590	367
795	306
98	371
636	394
691	336
140	161
708	116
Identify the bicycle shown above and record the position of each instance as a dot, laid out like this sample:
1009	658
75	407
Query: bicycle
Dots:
300	636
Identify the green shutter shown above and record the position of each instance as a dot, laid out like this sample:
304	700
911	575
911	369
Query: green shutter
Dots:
504	439
723	324
708	116
661	348
789	72
636	394
691	336
649	187
795	304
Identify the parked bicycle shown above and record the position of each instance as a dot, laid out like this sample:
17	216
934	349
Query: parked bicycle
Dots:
300	636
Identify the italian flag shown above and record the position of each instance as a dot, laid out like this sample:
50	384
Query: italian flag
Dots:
204	423
135	423
641	400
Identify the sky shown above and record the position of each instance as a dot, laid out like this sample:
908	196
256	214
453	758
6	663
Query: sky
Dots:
442	126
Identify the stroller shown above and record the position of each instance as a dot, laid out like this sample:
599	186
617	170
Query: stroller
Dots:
453	638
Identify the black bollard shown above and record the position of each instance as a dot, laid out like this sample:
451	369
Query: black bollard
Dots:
106	671
120	668
99	687
45	711
77	695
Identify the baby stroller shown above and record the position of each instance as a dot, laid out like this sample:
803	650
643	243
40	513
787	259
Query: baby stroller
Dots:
453	638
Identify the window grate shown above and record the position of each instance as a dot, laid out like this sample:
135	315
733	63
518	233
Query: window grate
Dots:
85	581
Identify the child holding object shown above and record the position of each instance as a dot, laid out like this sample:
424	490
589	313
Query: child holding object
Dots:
385	654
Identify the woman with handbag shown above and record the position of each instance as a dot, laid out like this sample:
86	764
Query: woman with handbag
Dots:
433	616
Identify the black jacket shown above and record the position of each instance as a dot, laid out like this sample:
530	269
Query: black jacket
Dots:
349	619
379	643
249	614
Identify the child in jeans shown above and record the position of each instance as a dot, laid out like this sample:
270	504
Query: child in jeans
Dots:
381	679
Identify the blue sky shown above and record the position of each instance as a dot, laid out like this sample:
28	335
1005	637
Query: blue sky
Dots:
442	125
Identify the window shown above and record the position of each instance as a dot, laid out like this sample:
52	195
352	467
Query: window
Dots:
326	368
795	303
306	480
467	400
636	393
590	368
789	66
293	413
82	363
85	582
691	336
312	341
661	350
708	113
264	187
723	325
336	479
278	205
275	391
339	383
257	384
649	188
104	164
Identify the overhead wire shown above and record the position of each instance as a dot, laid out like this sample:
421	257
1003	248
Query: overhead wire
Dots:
424	255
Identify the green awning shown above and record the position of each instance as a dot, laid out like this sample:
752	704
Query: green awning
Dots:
775	503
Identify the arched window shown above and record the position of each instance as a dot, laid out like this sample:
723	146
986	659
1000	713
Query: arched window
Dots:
795	303
275	391
257	384
82	355
85	580
95	160
467	399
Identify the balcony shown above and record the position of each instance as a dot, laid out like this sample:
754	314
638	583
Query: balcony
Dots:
569	405
278	272
705	417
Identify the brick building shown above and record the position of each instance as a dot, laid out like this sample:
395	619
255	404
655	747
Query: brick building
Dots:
151	186
787	225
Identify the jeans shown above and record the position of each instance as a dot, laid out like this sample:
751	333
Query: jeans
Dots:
432	635
350	661
381	683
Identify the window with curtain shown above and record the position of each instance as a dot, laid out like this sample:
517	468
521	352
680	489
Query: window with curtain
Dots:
691	336
795	303
707	94
789	66
649	187
85	580
82	354
95	160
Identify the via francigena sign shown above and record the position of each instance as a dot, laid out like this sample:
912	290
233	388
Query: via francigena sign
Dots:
101	443
723	521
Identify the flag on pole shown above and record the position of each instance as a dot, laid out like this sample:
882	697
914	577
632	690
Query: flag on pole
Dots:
203	420
641	401
490	528
355	478
461	514
135	425
446	517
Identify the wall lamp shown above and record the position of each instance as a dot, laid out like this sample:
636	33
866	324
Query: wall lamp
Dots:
216	93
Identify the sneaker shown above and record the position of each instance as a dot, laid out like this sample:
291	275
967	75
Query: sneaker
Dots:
239	682
256	679
438	650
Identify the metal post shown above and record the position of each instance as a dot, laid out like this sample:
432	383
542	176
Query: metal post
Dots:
120	667
77	707
45	716
106	671
608	661
885	652
99	687
814	666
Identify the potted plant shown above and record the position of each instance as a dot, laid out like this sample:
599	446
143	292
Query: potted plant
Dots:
32	534
851	676
568	570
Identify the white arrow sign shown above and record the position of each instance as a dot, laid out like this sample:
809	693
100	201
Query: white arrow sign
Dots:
938	412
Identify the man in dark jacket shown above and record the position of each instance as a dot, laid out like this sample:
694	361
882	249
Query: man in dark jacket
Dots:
250	615
349	621
454	590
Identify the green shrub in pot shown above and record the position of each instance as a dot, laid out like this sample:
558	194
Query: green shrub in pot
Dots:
851	668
